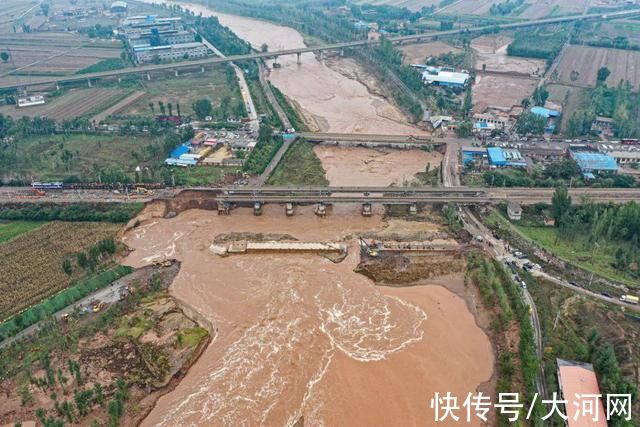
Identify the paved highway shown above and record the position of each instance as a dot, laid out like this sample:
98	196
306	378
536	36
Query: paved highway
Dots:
334	46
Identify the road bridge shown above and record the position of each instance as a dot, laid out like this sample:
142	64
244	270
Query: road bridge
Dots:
371	138
88	77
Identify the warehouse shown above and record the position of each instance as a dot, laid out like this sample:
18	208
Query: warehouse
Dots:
439	77
477	155
505	157
592	162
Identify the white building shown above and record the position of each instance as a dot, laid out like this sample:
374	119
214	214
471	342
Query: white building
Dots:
147	54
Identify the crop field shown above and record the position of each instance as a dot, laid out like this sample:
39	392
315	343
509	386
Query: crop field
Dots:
211	84
469	7
43	158
11	229
418	53
413	5
537	9
51	53
570	97
586	61
31	267
500	91
491	51
74	103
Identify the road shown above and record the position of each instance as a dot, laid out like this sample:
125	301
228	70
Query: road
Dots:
335	46
356	137
108	295
244	88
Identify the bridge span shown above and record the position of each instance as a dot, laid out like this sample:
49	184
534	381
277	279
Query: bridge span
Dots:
408	195
88	77
373	139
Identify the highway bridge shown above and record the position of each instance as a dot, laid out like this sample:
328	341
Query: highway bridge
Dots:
409	195
336	46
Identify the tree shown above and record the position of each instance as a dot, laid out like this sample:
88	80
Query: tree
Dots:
170	106
540	96
66	267
152	107
178	108
198	38
82	260
464	129
162	108
4	56
264	47
202	108
560	205
603	73
530	123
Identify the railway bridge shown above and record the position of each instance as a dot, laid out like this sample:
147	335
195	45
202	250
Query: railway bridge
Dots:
412	197
413	38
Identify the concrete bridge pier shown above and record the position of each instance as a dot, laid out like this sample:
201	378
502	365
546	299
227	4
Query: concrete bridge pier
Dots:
119	79
149	76
202	69
321	55
366	209
320	209
413	209
288	209
58	86
223	208
176	73
257	208
342	52
298	60
89	82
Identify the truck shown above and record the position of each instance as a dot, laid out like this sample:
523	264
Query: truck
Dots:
631	299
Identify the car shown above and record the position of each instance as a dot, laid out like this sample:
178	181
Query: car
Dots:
572	282
605	294
523	285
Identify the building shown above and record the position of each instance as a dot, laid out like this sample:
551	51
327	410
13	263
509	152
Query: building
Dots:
495	121
119	7
545	112
624	158
473	154
166	37
603	126
440	77
592	162
514	211
505	157
147	54
576	378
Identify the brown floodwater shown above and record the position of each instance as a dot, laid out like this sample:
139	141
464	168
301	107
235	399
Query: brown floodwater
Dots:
298	335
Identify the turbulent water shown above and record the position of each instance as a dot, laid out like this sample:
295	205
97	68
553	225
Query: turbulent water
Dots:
301	336
297	335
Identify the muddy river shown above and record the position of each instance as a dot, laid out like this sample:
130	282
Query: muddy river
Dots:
300	336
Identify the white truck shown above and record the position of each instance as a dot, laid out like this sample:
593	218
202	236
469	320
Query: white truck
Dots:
630	299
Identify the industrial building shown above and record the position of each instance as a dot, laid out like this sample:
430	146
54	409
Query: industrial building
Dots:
505	157
477	155
591	162
550	115
440	77
624	158
147	54
579	379
154	39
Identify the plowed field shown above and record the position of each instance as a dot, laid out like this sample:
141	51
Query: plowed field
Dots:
586	60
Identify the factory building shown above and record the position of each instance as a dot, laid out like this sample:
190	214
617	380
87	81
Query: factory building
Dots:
439	77
591	162
505	157
167	37
147	54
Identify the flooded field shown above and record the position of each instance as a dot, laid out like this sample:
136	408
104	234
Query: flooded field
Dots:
358	166
299	336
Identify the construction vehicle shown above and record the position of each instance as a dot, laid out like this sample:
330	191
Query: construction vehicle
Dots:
631	299
38	192
143	191
288	209
96	306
